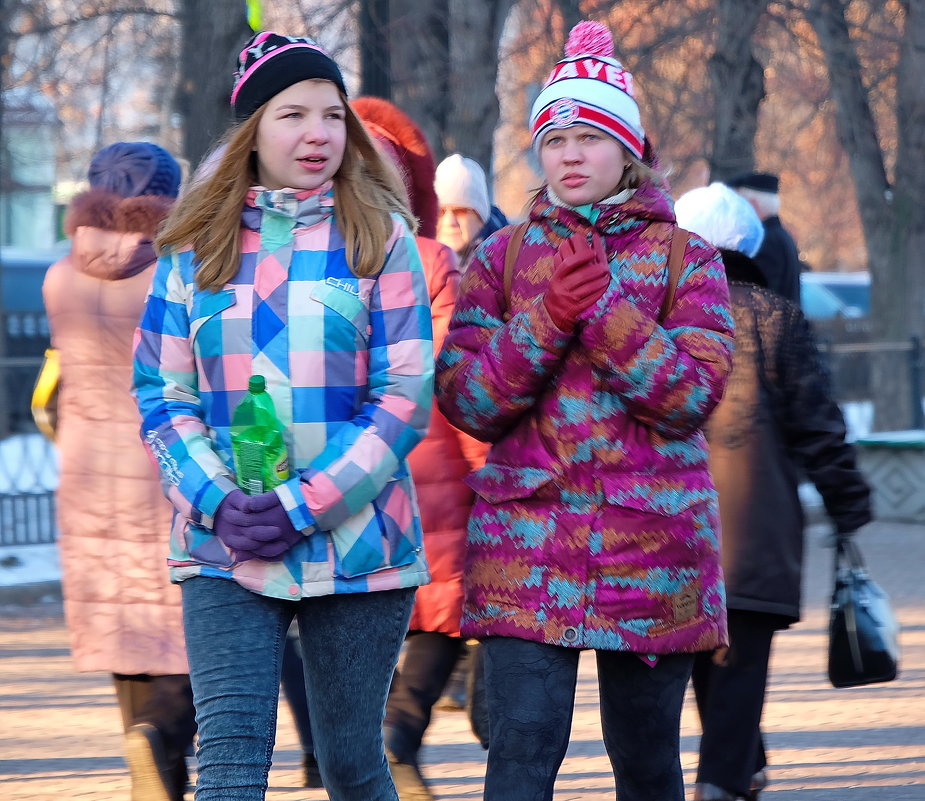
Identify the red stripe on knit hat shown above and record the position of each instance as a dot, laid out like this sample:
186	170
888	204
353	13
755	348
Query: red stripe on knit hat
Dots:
599	119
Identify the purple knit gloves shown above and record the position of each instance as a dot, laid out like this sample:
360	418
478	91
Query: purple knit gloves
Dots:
255	526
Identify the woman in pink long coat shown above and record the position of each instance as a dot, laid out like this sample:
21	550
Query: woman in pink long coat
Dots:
123	615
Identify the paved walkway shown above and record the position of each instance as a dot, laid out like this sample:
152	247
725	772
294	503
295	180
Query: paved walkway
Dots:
59	731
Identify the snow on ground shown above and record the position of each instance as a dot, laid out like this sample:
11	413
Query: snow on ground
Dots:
28	462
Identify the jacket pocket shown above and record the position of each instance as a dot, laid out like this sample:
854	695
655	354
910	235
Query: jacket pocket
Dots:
385	533
664	494
497	483
348	306
206	548
206	305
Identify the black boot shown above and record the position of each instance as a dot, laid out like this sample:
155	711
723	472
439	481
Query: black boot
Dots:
311	775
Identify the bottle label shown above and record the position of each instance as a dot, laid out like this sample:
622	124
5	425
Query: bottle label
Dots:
258	445
249	465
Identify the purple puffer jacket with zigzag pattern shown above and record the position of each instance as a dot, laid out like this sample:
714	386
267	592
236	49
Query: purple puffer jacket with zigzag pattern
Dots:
596	523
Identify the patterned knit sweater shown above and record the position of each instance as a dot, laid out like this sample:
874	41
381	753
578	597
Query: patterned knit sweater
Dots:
596	522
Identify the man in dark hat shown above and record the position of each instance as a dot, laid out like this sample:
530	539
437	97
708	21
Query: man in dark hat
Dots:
778	257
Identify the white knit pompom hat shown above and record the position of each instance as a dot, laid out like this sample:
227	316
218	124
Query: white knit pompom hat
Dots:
461	182
589	86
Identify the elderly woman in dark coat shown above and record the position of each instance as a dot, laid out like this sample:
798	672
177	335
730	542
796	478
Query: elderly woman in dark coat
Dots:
777	418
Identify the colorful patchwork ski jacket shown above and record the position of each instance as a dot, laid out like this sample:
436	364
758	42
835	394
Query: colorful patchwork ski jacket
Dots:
348	362
596	523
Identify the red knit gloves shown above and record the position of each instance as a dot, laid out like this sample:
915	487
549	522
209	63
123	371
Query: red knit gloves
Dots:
580	276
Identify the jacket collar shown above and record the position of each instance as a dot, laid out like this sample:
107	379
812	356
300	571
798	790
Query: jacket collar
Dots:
648	203
303	208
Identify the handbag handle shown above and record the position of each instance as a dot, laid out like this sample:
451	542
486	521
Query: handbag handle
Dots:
847	553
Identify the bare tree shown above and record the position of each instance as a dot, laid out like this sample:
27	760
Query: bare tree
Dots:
738	87
207	63
474	108
375	61
419	47
443	58
892	212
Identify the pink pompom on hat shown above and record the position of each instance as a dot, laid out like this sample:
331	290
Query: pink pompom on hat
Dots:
589	86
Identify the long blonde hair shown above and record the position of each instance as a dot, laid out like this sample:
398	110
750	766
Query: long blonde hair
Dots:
367	188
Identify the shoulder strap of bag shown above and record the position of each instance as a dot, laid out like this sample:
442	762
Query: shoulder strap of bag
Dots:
675	264
510	261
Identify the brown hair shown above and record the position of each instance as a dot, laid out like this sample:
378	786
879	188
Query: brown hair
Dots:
367	188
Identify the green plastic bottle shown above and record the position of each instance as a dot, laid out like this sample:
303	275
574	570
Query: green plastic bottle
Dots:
260	458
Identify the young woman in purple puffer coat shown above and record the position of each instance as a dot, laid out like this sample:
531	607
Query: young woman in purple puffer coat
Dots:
596	523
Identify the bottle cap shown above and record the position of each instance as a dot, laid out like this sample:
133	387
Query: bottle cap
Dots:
256	384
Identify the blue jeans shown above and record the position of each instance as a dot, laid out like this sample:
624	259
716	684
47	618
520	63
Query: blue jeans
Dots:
530	691
350	644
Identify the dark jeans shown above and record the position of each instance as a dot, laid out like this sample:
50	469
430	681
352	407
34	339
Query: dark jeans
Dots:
235	640
730	699
530	691
166	702
426	666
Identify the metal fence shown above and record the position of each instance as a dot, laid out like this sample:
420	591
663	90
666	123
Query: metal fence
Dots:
28	463
852	366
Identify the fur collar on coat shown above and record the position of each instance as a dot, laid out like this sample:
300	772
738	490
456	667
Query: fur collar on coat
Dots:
113	236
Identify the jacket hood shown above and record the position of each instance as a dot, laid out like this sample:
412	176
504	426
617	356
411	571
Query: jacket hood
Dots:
741	268
407	145
112	235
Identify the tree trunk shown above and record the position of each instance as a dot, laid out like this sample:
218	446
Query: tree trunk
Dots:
213	33
444	71
738	88
891	217
375	69
906	282
571	15
474	110
420	45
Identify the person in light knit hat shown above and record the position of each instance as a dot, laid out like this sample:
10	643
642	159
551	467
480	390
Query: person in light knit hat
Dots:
467	216
777	423
592	373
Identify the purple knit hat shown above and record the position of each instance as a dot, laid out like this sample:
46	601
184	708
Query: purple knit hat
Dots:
129	169
271	62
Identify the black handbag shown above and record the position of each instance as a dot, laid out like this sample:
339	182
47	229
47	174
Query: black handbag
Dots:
863	631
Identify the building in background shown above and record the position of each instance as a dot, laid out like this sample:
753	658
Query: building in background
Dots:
27	170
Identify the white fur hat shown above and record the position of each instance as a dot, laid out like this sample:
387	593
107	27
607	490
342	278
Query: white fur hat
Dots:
722	217
460	182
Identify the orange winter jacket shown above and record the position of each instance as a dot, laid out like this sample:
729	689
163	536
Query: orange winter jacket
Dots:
439	464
